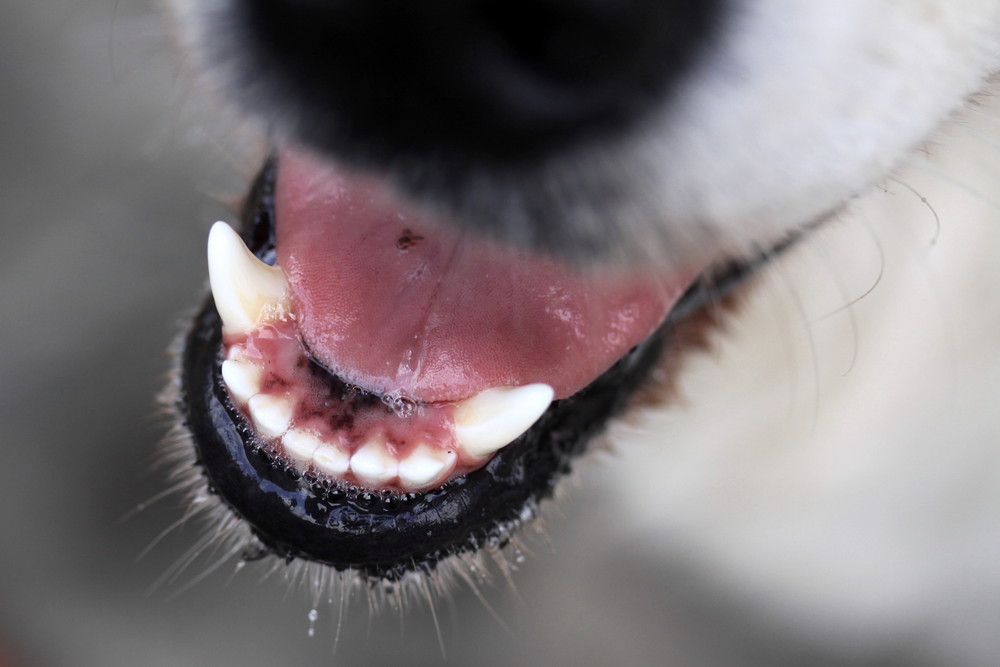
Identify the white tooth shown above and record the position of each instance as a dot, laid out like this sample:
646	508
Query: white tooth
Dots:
495	417
272	415
242	378
300	445
374	464
246	290
426	466
331	460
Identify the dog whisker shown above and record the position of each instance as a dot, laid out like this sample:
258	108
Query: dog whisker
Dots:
928	205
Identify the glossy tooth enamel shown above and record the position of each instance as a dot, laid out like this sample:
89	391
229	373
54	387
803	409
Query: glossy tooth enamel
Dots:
242	378
301	445
271	415
496	417
374	464
245	289
425	467
331	460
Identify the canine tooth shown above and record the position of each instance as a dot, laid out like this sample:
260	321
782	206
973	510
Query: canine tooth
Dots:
374	464
272	415
331	460
242	378
300	444
496	417
244	287
425	466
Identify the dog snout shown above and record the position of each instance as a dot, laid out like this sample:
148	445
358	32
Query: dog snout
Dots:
472	81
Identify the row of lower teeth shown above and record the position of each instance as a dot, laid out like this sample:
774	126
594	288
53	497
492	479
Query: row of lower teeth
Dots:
248	293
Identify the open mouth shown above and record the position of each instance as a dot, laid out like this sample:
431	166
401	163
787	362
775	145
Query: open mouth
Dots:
374	390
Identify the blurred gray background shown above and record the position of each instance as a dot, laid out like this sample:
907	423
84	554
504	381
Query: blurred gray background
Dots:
109	179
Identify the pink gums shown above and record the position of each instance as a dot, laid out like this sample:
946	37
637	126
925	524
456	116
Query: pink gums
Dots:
400	305
333	415
337	414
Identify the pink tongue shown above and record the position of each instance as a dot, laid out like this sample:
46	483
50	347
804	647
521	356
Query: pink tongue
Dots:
397	304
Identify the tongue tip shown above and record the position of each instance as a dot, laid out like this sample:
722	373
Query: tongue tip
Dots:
444	314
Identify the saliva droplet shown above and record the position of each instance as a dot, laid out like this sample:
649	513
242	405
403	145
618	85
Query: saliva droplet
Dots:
402	405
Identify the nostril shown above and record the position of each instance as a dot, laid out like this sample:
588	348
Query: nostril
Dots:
477	79
546	39
571	42
544	65
559	67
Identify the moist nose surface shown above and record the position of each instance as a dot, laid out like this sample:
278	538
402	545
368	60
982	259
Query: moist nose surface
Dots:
484	79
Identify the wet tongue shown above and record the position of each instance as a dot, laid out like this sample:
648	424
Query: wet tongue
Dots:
398	304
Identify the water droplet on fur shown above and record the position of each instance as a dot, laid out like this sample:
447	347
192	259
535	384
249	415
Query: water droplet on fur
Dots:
312	616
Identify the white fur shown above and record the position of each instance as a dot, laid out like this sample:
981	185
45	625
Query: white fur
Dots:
805	104
835	469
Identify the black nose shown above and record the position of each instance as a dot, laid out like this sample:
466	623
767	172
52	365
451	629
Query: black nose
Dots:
480	79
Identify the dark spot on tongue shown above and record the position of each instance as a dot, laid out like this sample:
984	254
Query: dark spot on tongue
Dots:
408	239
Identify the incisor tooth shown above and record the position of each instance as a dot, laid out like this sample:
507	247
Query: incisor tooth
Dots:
242	378
300	444
272	415
425	466
331	460
244	288
374	464
496	417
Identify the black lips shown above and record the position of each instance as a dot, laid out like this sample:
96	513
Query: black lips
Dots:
385	535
